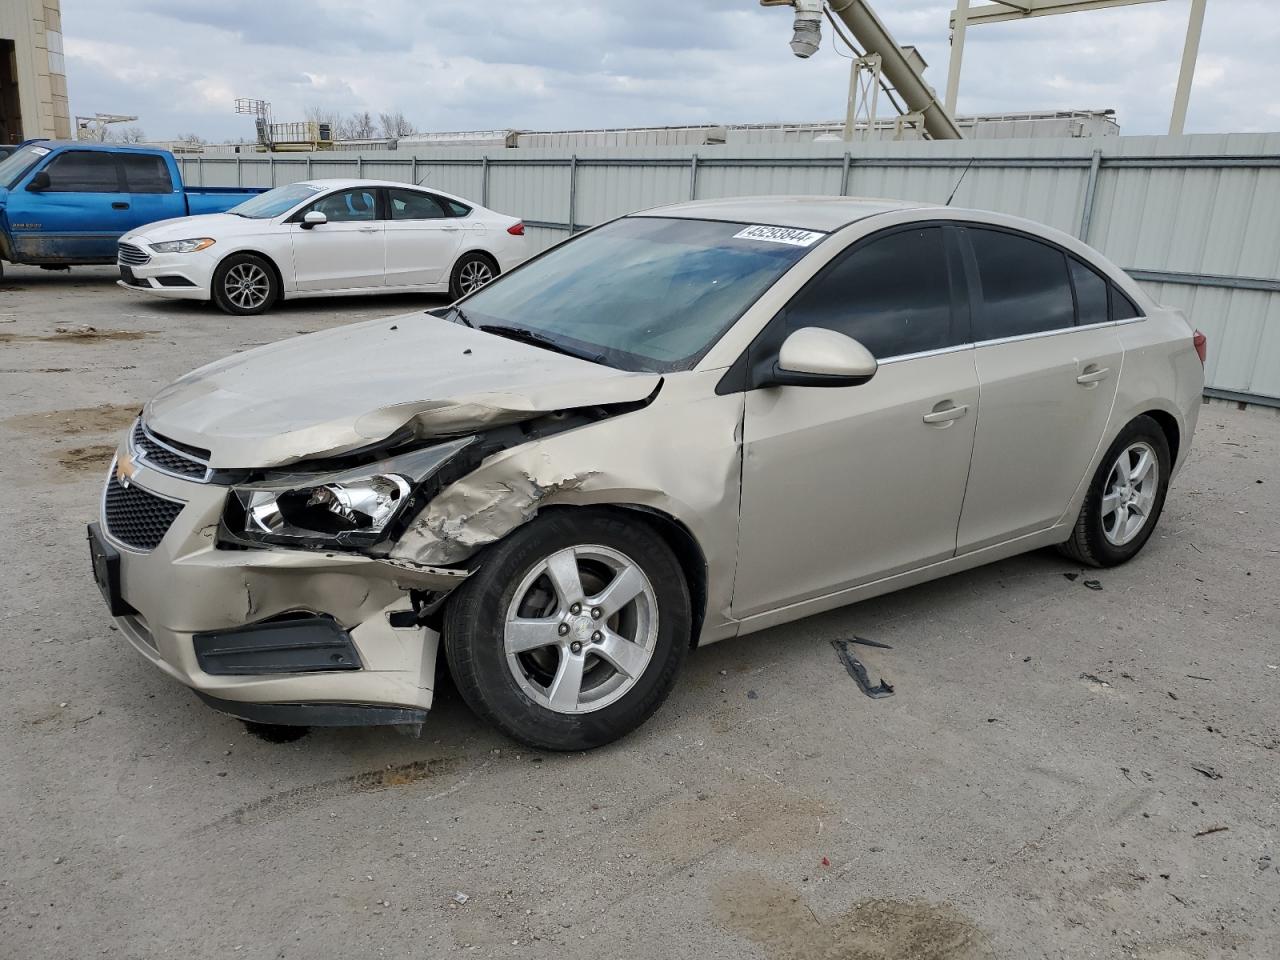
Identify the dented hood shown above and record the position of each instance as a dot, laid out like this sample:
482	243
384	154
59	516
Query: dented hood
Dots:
338	390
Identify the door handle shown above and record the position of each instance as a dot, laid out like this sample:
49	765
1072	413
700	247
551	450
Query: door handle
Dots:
1093	374
119	205
945	412
368	229
451	229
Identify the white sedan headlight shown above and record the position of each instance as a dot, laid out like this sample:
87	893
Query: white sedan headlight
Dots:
349	508
183	246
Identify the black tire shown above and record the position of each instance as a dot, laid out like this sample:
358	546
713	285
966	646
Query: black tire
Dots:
1089	544
241	299
460	280
474	630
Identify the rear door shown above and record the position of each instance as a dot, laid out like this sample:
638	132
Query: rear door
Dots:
423	237
79	216
1048	361
152	193
842	486
348	251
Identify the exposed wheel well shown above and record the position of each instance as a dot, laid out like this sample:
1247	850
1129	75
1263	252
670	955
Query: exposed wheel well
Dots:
1170	427
481	253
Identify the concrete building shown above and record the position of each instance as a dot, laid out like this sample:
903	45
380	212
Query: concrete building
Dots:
33	76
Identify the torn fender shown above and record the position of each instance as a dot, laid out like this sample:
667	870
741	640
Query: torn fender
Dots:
639	459
329	393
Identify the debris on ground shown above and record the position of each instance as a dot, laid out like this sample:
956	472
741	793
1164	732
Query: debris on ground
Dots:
1095	681
1206	770
1093	584
1072	576
460	898
1216	829
858	671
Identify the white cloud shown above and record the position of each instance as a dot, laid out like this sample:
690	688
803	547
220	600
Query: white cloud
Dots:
178	64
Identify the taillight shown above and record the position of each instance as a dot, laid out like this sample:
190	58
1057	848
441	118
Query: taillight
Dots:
516	229
1202	346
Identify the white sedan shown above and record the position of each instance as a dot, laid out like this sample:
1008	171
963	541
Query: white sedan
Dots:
322	238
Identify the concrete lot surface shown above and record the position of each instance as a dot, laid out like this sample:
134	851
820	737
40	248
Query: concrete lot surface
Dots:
1063	771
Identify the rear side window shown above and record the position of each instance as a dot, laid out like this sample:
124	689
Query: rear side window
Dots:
455	208
1024	285
1122	308
79	171
412	205
1091	294
892	294
145	174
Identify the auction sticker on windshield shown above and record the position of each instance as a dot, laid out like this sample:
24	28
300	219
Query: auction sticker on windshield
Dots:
788	235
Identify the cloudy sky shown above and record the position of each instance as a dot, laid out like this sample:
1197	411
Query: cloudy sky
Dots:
555	64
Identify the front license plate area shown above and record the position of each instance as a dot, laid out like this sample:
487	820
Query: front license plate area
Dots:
106	572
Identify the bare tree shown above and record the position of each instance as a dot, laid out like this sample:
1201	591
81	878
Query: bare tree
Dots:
322	115
395	125
131	135
194	138
360	126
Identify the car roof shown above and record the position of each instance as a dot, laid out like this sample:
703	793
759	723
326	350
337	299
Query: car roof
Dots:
805	212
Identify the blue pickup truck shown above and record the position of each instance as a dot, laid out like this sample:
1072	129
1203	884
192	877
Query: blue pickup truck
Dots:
67	203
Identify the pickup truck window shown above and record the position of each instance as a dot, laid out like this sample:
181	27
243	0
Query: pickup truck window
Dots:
80	171
275	202
146	173
15	166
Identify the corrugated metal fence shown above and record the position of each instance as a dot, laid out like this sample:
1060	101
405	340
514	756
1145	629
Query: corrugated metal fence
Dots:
1197	218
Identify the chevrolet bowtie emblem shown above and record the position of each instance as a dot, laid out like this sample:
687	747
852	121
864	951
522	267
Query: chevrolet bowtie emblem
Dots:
125	469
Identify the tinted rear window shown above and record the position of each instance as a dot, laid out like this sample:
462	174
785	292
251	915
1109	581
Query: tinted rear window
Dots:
1024	285
80	171
1091	294
146	174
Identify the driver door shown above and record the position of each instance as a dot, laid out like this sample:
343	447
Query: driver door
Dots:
842	486
348	251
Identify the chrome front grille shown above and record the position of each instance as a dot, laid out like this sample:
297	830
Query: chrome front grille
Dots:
132	256
168	456
134	516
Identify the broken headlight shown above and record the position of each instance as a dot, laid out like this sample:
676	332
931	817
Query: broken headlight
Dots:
348	508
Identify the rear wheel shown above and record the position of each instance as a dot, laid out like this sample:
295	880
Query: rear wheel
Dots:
1125	499
245	284
572	631
470	273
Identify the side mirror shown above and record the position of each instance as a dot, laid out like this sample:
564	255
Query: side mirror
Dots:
313	218
815	357
39	182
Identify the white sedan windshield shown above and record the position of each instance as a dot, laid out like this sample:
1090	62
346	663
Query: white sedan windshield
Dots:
641	293
275	202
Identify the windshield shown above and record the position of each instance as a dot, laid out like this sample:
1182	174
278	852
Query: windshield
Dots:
15	166
275	202
641	293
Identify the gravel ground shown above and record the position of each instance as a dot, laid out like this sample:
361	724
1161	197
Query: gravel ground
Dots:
1062	772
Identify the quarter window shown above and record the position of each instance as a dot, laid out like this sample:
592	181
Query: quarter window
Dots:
79	171
1091	294
349	206
412	205
892	294
1025	287
145	173
1122	308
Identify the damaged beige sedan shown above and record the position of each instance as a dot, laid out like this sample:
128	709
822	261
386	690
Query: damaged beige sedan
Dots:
681	426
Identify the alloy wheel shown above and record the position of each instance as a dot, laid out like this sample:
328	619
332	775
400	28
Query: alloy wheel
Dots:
1130	493
474	275
247	286
581	629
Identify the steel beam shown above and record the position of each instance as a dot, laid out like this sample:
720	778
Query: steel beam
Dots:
1022	9
1187	72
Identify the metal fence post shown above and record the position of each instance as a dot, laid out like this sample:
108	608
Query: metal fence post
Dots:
271	168
484	180
199	170
693	177
239	174
573	194
359	167
1090	194
413	169
844	174
308	166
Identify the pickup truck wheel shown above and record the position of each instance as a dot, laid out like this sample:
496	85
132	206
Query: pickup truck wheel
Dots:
571	632
470	273
245	284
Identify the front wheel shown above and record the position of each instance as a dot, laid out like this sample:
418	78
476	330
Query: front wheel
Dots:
245	284
572	631
470	273
1125	498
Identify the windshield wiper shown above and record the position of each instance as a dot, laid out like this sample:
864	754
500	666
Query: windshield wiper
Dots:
522	335
460	315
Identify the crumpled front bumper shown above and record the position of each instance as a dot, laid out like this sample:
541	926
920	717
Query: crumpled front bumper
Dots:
186	586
